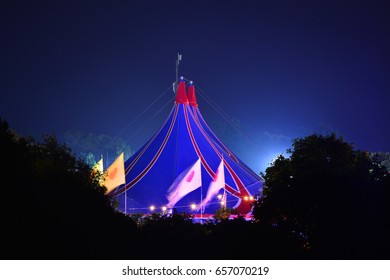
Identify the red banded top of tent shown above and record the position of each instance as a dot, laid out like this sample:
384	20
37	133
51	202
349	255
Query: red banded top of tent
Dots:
181	96
191	95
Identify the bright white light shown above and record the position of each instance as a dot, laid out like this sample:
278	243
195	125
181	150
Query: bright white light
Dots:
219	196
193	206
251	197
164	208
222	202
152	208
246	198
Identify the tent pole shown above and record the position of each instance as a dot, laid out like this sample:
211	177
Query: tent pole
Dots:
125	202
177	71
201	204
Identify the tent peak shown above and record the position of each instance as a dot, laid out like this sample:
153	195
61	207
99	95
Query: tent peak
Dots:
181	96
191	95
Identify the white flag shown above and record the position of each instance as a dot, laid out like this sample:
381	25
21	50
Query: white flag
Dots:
188	181
215	185
223	199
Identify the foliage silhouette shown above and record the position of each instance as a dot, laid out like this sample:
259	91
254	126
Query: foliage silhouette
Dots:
330	196
90	147
51	208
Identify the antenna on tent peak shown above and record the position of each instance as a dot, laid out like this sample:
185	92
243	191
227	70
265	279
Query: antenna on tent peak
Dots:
179	58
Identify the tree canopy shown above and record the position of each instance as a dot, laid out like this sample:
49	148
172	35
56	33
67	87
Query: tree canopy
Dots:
90	147
51	206
325	201
330	195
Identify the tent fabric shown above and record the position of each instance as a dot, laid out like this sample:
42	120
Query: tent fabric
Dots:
183	139
192	96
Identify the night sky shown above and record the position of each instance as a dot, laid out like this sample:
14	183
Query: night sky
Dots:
281	69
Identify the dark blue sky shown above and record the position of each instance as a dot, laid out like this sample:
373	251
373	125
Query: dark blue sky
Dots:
283	69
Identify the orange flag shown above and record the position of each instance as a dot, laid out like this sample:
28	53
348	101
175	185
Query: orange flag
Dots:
115	174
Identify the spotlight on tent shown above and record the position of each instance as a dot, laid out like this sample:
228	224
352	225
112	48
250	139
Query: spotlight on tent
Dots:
193	206
152	208
164	208
219	196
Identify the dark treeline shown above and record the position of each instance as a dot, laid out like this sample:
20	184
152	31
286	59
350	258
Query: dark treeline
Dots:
333	196
325	203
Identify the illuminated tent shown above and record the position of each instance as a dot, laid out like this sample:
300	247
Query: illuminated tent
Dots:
181	166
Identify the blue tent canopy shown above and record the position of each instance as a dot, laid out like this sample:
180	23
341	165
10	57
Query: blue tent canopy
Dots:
184	138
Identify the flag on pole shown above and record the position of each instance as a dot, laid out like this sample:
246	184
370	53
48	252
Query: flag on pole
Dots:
223	199
188	181
115	174
98	166
215	185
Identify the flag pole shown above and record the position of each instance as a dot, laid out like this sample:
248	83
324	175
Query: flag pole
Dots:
201	204
101	180
201	197
125	199
177	71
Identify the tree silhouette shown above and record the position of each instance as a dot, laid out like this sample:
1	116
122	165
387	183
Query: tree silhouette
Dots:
326	198
90	147
330	195
51	207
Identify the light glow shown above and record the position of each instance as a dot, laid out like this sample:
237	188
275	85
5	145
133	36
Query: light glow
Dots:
152	208
193	206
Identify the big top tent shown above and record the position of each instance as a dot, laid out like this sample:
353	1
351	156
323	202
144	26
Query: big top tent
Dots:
184	167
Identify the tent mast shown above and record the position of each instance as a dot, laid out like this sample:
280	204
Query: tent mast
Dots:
179	57
125	201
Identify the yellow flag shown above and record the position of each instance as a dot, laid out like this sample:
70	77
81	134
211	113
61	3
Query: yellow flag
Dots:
98	166
115	174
